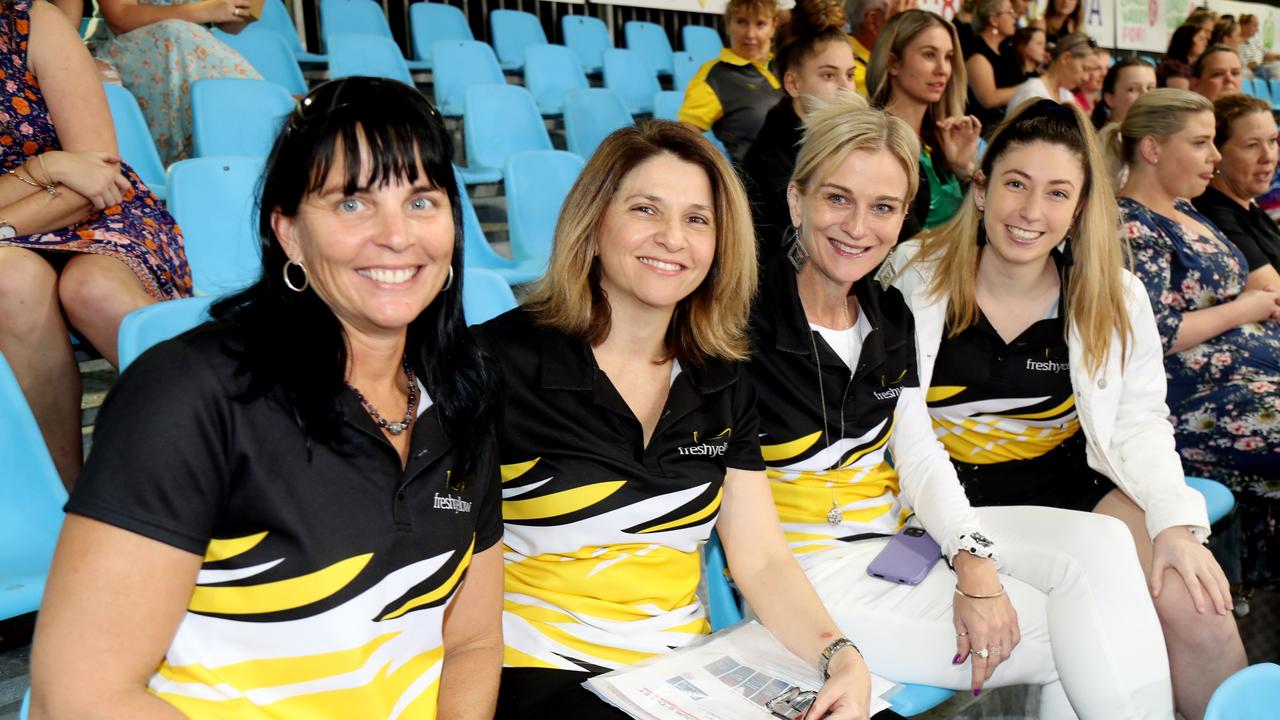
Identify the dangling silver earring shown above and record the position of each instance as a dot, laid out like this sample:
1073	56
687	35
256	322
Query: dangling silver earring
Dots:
797	254
306	279
448	283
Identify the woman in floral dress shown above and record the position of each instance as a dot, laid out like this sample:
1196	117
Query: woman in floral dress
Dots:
159	48
1222	342
82	240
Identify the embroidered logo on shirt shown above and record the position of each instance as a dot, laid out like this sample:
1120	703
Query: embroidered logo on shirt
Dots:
889	394
713	447
1052	366
449	502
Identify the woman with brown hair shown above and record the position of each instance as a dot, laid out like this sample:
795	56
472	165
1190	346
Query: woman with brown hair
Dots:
1062	17
629	433
993	76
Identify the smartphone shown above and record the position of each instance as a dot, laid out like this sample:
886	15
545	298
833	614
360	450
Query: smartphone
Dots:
907	558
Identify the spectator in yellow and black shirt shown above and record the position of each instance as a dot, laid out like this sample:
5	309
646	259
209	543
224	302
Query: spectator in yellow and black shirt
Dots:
629	432
292	512
731	95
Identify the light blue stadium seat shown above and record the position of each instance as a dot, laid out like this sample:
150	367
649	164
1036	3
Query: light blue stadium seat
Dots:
666	104
1218	498
1249	694
158	322
459	65
269	54
499	121
213	199
234	116
353	54
360	17
477	253
513	31
537	183
485	295
627	73
1273	92
590	115
650	40
549	72
725	610
31	500
686	67
275	18
588	37
134	140
430	23
26	705
702	42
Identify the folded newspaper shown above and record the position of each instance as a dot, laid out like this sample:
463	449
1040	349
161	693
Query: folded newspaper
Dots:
730	675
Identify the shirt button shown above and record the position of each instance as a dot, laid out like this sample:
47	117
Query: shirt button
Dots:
1102	384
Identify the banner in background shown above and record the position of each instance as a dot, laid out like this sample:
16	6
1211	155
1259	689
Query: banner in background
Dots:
1142	25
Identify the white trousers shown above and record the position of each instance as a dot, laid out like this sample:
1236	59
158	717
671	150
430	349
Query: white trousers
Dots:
1090	635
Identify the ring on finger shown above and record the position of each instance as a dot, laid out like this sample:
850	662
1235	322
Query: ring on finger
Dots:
962	634
983	653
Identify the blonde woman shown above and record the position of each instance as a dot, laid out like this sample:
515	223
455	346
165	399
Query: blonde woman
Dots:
918	74
629	432
834	360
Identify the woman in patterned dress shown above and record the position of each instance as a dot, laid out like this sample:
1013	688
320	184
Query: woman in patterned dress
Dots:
1222	342
159	47
82	241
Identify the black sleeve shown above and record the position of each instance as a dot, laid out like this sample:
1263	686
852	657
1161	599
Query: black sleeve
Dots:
1240	235
744	443
159	462
489	484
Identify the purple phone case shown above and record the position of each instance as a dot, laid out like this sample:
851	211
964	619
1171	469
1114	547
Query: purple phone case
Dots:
907	558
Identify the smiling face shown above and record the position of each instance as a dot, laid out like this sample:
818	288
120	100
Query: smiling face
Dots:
1131	83
657	239
1219	75
1029	203
924	70
751	36
1249	156
850	220
1186	159
824	73
377	257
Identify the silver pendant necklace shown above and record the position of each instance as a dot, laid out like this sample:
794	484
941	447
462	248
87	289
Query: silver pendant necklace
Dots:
835	516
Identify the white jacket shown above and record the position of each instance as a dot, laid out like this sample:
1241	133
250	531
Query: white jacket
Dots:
1122	408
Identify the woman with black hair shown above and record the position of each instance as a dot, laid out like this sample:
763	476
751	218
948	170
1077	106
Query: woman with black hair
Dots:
1125	82
1186	45
283	515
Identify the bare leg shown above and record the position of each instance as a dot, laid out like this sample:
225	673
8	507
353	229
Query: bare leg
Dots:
1204	649
33	338
97	292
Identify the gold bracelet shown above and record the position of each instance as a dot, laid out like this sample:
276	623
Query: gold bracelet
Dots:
31	182
49	185
980	597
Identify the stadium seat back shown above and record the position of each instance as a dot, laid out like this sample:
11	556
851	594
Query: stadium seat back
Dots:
590	114
702	42
478	253
353	54
1253	692
153	324
133	138
537	183
431	22
485	295
214	201
650	40
31	500
234	116
627	73
499	121
549	72
512	31
666	104
686	67
363	17
460	64
269	54
275	18
588	37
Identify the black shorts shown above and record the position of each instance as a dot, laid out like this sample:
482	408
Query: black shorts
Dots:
547	694
1060	478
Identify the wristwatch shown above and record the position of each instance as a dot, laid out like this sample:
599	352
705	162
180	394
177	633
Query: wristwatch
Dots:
836	646
7	231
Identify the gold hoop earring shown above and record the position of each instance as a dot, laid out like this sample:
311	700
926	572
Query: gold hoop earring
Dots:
306	278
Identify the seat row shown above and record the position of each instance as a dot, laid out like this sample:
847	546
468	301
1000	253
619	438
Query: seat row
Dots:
1260	88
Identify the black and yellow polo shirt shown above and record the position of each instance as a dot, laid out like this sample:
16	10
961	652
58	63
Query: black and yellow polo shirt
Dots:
846	465
730	96
603	533
327	570
1006	413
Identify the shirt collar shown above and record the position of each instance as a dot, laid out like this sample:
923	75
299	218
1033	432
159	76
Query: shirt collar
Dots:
732	58
568	364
